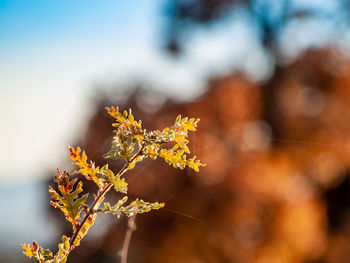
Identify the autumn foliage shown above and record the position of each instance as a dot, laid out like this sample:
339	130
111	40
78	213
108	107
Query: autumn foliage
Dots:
130	143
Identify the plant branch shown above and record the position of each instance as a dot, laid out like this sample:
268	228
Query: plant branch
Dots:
126	243
100	195
88	214
131	144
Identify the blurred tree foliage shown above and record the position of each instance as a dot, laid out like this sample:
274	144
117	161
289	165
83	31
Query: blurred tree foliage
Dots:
271	18
276	185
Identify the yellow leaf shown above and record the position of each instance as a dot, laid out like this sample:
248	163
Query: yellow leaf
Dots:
88	170
27	250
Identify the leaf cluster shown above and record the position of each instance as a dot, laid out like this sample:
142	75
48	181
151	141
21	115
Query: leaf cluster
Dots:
130	143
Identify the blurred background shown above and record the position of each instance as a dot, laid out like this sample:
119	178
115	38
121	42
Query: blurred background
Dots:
270	81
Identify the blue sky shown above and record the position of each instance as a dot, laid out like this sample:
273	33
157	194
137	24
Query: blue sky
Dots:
40	22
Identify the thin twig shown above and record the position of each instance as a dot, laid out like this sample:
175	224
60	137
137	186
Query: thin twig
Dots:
89	213
126	243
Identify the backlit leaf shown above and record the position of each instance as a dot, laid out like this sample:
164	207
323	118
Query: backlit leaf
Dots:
69	201
139	206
